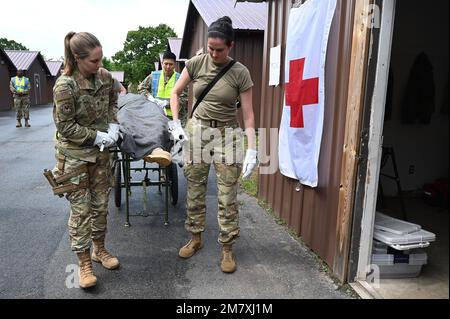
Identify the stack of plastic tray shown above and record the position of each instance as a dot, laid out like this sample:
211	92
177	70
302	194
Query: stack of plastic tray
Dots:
400	234
395	244
394	264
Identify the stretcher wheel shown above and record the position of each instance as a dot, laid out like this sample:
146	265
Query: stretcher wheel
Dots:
117	184
173	178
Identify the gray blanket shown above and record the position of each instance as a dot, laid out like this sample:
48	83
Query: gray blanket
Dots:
143	125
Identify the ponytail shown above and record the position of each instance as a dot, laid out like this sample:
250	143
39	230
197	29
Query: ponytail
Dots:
79	44
69	58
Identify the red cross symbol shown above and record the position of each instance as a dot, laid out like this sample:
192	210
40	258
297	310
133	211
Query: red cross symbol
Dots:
300	92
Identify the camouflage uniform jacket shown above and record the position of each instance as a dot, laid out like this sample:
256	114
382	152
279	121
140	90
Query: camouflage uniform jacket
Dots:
81	108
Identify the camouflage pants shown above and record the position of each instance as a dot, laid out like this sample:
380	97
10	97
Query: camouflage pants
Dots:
196	171
89	206
22	107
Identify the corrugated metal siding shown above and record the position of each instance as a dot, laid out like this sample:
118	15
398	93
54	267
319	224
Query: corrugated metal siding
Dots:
22	59
175	46
248	50
6	101
245	16
54	67
39	95
312	213
6	72
55	70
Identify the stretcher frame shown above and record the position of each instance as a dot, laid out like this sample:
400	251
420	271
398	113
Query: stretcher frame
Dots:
167	178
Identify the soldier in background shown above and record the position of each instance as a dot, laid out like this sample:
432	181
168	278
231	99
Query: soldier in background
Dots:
20	88
85	115
159	84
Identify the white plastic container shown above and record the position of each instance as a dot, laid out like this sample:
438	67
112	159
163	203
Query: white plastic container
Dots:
393	266
399	234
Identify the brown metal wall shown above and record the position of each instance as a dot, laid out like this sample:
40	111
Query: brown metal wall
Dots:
51	80
249	50
36	68
6	101
312	213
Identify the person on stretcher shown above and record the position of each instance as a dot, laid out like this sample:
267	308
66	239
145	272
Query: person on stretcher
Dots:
144	129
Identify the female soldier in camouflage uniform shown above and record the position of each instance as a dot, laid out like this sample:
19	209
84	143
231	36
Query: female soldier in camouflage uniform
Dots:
85	108
215	115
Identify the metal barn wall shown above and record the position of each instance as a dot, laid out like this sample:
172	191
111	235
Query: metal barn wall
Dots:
37	95
51	81
249	50
311	213
6	100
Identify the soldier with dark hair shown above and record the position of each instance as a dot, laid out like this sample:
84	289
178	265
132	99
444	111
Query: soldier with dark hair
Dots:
159	84
20	88
214	116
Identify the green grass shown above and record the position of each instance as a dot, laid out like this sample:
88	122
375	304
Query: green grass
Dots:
250	185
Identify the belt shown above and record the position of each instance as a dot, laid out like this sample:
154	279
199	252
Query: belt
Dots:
215	123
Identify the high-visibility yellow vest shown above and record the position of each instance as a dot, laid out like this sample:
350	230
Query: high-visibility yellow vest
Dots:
20	84
164	91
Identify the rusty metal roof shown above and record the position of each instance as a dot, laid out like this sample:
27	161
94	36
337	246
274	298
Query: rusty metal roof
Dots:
54	67
23	59
118	75
175	47
245	15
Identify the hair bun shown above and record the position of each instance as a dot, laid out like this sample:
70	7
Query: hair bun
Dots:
226	19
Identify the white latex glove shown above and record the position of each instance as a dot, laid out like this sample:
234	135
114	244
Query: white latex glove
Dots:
249	163
113	131
177	131
103	140
177	153
161	103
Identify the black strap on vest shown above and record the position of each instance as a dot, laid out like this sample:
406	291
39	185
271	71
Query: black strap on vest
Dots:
211	84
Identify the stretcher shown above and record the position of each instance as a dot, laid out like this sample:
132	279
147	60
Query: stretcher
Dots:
143	126
166	178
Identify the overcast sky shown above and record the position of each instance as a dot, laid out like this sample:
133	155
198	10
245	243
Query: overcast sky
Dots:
41	25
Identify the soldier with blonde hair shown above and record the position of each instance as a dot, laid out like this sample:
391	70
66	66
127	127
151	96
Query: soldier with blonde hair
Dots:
85	115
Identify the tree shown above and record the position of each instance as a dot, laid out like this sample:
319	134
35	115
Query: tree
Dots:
11	45
108	64
141	49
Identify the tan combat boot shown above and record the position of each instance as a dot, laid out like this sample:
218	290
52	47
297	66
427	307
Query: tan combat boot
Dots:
85	271
19	123
227	263
191	247
100	254
27	123
159	156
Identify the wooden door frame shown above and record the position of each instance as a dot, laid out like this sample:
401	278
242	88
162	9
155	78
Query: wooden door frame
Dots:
362	27
367	184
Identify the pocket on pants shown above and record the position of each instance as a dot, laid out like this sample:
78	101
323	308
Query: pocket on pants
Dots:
74	223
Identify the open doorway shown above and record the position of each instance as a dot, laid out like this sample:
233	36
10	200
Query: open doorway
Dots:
413	180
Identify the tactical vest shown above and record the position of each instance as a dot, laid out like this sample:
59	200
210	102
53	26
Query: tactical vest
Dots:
20	84
162	92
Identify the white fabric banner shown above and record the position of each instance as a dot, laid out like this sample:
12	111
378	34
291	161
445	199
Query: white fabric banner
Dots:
302	119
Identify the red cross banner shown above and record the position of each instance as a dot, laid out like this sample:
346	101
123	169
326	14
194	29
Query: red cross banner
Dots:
303	112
